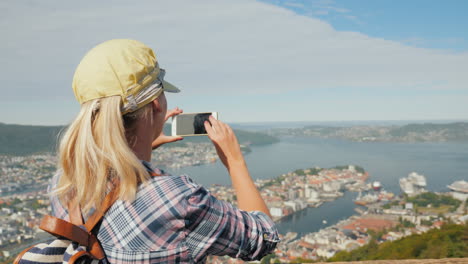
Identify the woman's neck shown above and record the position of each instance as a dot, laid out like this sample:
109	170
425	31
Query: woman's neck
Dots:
141	144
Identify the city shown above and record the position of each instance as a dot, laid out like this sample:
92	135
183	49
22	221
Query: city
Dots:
24	201
388	216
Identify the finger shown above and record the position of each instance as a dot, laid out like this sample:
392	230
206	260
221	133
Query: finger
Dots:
177	110
173	139
229	130
224	127
215	123
174	112
209	129
169	139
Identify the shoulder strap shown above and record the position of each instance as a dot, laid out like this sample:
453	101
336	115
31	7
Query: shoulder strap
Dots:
61	228
72	231
109	200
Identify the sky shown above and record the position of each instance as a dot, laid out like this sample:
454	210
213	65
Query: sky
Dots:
252	61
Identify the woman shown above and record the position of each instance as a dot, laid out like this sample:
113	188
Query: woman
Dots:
156	219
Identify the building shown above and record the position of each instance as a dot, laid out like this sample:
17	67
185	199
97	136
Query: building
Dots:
276	212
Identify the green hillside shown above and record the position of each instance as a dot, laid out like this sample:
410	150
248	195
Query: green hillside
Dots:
451	241
426	132
26	140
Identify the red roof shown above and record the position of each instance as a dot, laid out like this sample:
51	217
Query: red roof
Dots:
370	223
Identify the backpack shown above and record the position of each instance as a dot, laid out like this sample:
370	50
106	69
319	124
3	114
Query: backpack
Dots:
75	241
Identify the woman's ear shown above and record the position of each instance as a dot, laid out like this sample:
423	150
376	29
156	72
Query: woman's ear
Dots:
156	105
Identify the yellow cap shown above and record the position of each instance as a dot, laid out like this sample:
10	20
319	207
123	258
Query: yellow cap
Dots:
122	67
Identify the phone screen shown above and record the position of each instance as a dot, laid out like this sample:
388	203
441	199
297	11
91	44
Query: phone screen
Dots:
191	124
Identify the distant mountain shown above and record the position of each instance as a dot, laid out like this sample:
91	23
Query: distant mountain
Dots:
426	132
421	132
24	140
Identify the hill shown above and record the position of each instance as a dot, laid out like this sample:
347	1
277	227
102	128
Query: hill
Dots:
25	140
424	132
427	132
451	241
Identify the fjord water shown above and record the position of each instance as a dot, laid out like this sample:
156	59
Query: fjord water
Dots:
441	163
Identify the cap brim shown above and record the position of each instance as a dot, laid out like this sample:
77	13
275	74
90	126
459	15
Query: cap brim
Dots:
169	87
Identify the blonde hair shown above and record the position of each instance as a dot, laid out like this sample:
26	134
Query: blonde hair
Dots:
94	152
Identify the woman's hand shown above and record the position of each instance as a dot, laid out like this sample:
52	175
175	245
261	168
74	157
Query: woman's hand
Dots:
225	141
162	138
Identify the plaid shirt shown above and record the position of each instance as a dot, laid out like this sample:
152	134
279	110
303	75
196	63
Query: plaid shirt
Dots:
175	220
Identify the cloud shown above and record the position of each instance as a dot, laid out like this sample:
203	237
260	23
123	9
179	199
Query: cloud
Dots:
433	42
216	47
294	4
311	7
328	6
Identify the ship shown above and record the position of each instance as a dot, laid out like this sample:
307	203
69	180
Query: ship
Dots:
385	196
376	186
414	184
459	186
366	199
370	197
459	190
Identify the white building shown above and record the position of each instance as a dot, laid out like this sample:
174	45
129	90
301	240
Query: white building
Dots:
325	253
409	206
276	212
292	194
296	205
333	186
292	204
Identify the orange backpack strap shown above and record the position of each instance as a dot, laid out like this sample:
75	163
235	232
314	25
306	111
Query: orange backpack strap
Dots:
154	174
72	231
76	216
109	200
62	228
75	233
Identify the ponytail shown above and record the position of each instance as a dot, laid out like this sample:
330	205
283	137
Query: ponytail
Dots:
94	153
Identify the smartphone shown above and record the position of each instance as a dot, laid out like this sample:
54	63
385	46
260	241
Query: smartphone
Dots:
191	124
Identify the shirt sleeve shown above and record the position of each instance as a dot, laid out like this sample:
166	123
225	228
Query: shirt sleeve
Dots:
218	228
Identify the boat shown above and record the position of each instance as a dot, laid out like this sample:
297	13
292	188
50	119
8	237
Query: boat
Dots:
413	184
366	199
359	210
459	190
376	186
459	186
